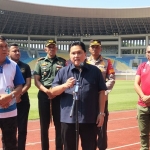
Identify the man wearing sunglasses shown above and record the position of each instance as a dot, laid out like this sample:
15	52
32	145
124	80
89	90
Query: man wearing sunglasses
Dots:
108	72
44	73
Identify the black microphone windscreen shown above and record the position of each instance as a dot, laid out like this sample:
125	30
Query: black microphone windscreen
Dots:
81	65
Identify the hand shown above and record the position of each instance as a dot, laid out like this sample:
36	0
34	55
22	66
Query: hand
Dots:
18	99
52	96
5	100
70	82
49	94
146	99
5	106
100	120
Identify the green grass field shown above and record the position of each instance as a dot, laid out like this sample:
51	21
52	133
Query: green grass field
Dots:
122	97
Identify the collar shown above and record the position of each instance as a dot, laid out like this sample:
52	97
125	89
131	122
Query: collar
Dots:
100	58
85	66
148	62
47	58
7	61
50	59
19	62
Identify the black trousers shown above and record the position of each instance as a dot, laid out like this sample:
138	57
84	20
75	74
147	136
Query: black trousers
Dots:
44	113
9	131
22	121
102	132
87	132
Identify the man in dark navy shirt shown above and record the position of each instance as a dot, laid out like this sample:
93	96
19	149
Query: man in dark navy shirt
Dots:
91	95
23	104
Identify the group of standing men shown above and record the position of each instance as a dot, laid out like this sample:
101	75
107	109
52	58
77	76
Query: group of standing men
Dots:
56	87
15	80
56	80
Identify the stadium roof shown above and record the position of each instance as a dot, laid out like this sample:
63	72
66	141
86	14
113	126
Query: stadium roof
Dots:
35	19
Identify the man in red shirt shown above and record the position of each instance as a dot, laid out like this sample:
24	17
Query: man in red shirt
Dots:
142	87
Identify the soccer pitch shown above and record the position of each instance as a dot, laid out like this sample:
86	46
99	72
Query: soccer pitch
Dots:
122	97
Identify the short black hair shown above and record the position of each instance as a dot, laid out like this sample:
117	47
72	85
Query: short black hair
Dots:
79	43
2	38
13	44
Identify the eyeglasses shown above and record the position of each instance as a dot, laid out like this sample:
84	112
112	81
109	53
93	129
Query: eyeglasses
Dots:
95	46
51	46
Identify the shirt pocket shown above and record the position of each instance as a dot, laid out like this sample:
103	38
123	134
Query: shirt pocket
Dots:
88	85
45	71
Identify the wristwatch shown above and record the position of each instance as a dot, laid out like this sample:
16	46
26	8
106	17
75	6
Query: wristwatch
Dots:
101	113
12	96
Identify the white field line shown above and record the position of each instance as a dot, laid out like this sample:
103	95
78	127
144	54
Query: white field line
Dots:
38	129
122	129
34	143
119	111
121	119
37	120
114	148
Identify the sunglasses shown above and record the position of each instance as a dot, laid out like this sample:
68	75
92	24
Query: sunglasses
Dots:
95	46
51	46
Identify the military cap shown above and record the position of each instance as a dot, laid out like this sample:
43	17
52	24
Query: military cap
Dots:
95	42
49	42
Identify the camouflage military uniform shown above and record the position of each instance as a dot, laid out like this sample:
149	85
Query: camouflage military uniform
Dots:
47	69
108	72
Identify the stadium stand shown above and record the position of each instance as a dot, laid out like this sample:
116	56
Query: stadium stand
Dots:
124	33
25	57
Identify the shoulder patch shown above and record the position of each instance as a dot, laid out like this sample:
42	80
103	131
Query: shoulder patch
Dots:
61	58
41	58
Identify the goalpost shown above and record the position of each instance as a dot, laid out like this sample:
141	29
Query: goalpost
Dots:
130	74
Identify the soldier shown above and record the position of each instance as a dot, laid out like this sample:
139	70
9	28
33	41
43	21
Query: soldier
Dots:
108	72
44	73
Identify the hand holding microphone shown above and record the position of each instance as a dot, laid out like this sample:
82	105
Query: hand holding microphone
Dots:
70	82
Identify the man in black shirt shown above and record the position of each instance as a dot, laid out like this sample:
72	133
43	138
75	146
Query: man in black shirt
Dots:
23	104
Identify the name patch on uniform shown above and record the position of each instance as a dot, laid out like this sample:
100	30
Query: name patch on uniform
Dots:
22	70
44	64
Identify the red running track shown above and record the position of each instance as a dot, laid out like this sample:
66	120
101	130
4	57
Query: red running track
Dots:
123	132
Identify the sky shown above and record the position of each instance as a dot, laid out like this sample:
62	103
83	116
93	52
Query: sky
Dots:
93	3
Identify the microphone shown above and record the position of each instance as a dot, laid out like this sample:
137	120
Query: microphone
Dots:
77	83
81	66
76	90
